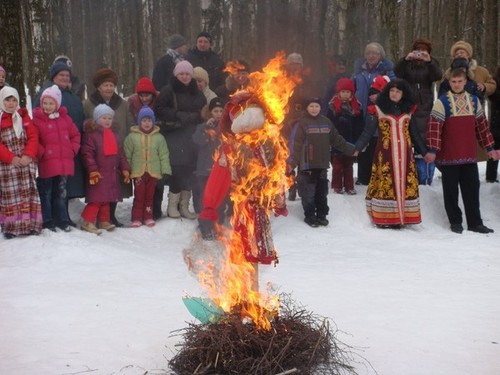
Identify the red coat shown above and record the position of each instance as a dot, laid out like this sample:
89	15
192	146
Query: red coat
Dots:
108	189
31	147
59	143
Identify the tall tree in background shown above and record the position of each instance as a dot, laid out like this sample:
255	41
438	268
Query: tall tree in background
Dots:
129	36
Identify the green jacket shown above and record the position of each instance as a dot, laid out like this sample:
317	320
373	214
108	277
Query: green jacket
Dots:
147	153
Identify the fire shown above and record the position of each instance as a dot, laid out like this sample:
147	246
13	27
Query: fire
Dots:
258	164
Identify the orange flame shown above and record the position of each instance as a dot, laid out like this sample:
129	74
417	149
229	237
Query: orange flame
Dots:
258	160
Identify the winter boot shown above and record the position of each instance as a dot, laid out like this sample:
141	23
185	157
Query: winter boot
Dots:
106	225
184	205
89	227
112	210
173	205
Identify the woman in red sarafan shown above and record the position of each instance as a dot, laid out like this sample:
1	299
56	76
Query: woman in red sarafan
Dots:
20	209
392	197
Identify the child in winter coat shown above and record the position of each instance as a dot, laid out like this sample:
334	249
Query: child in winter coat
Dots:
147	153
104	159
311	141
20	209
207	138
345	113
59	142
145	94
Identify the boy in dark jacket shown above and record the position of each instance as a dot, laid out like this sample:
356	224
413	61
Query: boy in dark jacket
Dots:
310	144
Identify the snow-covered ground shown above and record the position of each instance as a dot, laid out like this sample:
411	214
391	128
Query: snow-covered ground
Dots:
416	301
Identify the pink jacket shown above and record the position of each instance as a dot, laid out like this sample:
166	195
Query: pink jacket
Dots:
59	143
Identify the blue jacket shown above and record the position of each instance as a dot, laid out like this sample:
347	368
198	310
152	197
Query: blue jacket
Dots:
363	78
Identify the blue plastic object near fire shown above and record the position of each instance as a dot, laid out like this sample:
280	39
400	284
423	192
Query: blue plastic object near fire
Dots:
203	309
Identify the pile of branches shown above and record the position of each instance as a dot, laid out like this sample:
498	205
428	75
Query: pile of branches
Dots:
298	343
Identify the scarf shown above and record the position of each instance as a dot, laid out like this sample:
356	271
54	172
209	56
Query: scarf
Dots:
110	146
17	120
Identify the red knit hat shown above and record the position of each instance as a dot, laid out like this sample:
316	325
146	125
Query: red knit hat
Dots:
145	85
345	84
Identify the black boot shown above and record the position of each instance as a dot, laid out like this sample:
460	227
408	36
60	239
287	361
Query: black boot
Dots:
112	210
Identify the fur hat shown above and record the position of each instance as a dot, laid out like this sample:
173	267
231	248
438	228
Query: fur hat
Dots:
104	75
200	73
205	34
345	84
58	67
183	67
145	85
145	112
295	58
406	103
422	43
214	103
101	110
461	44
52	92
175	41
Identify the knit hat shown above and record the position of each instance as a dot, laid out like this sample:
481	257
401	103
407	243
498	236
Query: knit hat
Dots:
205	34
379	82
422	43
183	67
317	100
57	68
175	41
101	110
64	59
200	73
377	47
295	58
145	112
461	44
215	102
52	92
145	85
345	84
2	69
104	75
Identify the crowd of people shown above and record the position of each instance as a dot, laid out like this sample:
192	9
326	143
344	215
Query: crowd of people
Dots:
382	115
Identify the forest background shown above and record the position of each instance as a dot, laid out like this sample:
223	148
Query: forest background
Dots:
129	36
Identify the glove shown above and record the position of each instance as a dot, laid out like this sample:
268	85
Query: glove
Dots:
94	177
126	177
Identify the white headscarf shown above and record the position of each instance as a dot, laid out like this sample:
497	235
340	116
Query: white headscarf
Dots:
17	121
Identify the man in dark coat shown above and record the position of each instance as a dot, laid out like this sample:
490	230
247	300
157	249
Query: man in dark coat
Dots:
203	55
164	68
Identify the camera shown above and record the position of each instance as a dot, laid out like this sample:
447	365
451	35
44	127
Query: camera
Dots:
417	54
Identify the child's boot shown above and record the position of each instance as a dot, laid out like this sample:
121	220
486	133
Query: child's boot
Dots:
89	227
106	225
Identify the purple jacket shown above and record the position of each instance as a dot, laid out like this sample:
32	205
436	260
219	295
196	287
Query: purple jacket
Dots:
108	189
59	141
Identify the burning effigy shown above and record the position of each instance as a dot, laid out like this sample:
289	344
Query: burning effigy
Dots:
246	330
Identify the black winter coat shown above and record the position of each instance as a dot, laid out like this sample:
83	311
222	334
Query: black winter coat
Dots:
182	104
211	62
495	113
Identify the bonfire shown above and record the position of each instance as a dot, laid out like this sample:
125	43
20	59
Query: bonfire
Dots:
243	330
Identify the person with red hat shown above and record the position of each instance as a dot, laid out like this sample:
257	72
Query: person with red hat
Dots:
345	113
145	94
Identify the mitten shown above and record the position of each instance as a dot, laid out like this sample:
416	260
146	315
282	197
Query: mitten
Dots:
94	177
126	176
